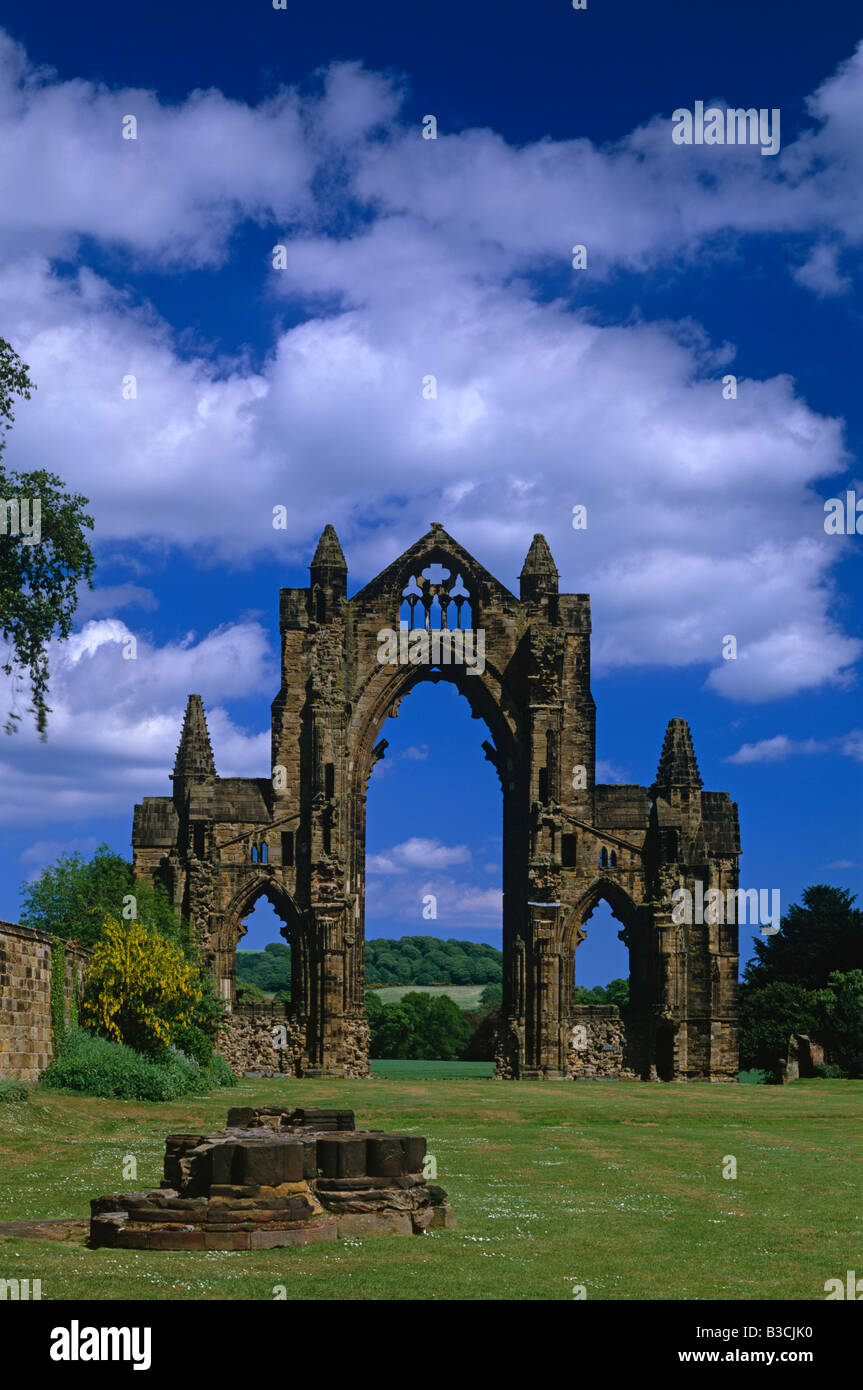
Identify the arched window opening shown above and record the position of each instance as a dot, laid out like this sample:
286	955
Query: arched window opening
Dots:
602	964
603	858
434	730
431	600
411	596
460	597
265	968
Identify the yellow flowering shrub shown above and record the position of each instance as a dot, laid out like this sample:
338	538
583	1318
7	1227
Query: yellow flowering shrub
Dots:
140	987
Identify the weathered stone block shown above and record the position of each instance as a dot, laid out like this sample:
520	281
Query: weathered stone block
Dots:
443	1217
219	1240
183	1239
358	1225
386	1156
307	1233
341	1156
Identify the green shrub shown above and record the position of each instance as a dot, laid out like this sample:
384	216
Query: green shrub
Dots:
13	1091
829	1071
93	1066
193	1042
248	992
220	1072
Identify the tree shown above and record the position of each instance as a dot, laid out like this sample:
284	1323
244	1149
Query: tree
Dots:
269	970
822	934
38	578
73	898
491	999
806	979
374	1008
249	993
140	988
768	1017
842	1013
418	1026
448	1030
583	995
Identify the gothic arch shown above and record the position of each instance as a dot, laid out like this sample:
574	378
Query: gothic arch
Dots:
623	909
534	695
388	686
254	887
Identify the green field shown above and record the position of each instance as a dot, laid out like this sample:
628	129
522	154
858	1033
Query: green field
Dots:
439	1071
613	1185
466	996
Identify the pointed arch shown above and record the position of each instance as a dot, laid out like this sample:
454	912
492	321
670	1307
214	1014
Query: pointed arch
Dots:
486	693
602	889
254	887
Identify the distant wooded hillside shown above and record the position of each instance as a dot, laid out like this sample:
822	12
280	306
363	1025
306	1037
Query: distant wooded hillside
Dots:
411	960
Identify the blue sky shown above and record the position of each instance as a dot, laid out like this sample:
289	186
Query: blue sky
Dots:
405	257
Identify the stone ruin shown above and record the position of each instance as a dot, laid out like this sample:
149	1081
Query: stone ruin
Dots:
277	1177
298	836
803	1059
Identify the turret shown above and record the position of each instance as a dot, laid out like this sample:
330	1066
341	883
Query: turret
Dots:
678	781
539	577
677	764
328	576
194	760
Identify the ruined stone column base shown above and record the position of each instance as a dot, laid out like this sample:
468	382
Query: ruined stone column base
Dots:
277	1178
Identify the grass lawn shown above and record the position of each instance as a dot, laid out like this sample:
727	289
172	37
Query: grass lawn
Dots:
614	1185
438	1071
466	996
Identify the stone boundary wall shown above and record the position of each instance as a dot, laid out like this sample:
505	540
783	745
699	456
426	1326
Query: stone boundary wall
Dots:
266	1037
597	1043
26	1044
263	1037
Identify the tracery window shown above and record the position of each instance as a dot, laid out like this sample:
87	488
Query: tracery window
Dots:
433	600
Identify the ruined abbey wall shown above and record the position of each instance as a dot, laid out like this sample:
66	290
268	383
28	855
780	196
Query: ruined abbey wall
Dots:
298	838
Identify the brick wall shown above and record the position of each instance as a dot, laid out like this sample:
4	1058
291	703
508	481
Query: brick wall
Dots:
26	1045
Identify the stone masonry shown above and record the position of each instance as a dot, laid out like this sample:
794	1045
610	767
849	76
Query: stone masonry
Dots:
26	1043
276	1177
298	837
